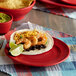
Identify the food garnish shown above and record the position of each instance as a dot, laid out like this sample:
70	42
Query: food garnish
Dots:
11	45
16	50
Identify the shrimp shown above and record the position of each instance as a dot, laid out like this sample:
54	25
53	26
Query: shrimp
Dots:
19	41
33	40
27	43
42	39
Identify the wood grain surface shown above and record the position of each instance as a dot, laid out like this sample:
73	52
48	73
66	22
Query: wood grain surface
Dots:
56	22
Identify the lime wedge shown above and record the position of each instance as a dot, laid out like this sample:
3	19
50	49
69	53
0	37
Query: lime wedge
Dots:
11	44
17	50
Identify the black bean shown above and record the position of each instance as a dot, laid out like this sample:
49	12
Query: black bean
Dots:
27	50
32	48
43	46
38	47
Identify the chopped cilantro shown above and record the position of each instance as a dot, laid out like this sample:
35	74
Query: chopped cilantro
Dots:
20	36
46	43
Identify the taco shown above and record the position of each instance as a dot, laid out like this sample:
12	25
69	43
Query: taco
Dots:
34	41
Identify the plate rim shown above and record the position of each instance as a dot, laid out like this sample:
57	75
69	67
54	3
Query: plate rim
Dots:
29	64
69	2
58	4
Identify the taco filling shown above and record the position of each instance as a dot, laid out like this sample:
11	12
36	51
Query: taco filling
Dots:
33	41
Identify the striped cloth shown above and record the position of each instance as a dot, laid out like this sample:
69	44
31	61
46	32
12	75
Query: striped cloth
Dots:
66	68
67	12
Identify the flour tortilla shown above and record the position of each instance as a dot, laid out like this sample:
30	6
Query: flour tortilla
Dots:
49	44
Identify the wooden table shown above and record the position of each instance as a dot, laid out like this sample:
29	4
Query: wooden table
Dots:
58	23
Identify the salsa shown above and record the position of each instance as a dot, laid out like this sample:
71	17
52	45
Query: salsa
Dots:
4	18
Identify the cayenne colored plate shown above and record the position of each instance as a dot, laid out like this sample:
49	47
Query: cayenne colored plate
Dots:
58	3
56	55
70	1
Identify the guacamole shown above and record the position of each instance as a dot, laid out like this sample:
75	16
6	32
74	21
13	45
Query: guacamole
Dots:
4	18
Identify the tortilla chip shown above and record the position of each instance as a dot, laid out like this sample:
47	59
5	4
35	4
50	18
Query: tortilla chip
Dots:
15	4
